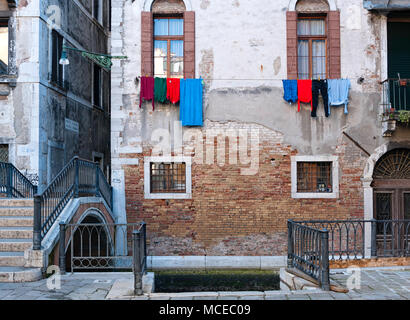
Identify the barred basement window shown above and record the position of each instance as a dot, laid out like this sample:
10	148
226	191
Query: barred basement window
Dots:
168	177
314	177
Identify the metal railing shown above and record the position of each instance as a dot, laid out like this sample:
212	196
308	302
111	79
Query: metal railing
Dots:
98	246
395	95
104	247
139	245
308	252
77	178
347	238
13	184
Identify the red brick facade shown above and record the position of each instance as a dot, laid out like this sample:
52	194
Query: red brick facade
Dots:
232	214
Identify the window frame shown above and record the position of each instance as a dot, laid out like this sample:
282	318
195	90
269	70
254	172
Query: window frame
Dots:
6	19
315	195
168	39
58	78
171	195
98	16
310	39
100	86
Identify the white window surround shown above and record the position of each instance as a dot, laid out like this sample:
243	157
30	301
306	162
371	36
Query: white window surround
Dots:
147	178
315	195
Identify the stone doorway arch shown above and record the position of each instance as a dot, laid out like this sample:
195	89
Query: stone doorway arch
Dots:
373	182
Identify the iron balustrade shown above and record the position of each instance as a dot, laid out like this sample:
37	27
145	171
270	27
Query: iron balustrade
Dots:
99	246
347	238
104	246
308	252
395	95
78	178
13	184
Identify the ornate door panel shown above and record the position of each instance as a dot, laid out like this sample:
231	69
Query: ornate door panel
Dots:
392	202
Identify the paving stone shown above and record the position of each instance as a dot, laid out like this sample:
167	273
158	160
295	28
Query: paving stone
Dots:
276	297
325	296
298	297
228	297
252	298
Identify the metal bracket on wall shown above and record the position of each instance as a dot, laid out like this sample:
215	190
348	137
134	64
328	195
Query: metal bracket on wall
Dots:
357	144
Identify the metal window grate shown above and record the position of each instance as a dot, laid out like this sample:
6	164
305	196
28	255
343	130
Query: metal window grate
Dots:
4	153
314	177
168	177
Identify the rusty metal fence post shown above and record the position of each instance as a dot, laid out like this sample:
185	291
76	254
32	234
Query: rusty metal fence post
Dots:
136	255
62	257
290	244
324	264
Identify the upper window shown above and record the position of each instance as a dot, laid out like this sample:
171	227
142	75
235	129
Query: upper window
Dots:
56	67
97	10
168	47
97	86
315	177
312	57
4	46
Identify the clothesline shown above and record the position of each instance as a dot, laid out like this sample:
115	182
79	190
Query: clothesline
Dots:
261	79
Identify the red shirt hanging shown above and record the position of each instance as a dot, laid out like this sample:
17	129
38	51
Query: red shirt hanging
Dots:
304	92
173	90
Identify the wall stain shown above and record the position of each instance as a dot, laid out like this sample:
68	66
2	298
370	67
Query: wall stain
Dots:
205	4
277	65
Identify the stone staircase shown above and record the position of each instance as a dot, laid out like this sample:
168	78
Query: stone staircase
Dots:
16	236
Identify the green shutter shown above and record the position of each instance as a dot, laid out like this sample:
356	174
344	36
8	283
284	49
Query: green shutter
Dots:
398	34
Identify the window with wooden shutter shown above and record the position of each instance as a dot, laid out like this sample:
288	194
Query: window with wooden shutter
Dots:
313	45
168	40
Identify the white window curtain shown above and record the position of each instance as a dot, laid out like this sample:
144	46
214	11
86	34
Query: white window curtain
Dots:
311	27
303	59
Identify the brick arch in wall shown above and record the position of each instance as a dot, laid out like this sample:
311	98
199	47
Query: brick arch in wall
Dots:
148	5
293	3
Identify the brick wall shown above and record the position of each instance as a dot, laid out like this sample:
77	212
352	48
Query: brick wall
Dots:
231	214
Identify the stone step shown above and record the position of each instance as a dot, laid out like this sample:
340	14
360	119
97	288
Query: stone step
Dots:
16	233
17	211
12	259
19	274
16	202
15	245
7	221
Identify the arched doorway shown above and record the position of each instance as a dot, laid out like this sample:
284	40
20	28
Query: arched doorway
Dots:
391	188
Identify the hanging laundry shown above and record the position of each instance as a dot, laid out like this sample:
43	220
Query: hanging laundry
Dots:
160	90
290	90
319	86
338	91
191	102
304	92
173	89
147	90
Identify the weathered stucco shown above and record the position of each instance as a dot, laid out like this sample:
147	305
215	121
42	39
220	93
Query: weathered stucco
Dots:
33	114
